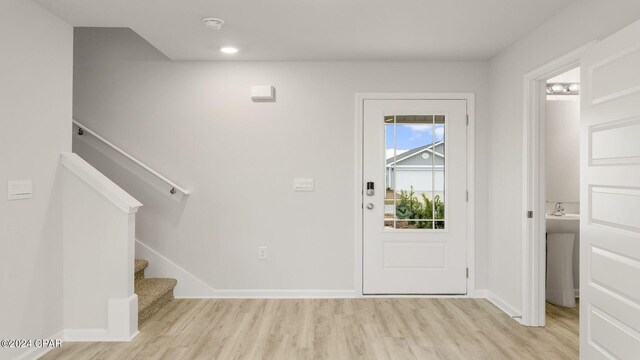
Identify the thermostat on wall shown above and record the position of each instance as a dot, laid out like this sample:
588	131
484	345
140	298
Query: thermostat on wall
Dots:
262	92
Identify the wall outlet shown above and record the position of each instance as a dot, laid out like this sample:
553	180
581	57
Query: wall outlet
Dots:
262	252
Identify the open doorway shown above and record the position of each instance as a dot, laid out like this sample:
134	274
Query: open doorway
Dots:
562	197
540	83
609	193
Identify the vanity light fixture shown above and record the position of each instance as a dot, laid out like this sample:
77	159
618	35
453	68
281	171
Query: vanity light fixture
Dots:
563	89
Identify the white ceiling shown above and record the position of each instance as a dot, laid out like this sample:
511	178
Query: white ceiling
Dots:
319	29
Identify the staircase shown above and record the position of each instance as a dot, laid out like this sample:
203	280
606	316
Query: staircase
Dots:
153	293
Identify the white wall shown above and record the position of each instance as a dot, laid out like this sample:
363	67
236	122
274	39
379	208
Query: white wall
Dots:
562	137
195	123
562	165
580	23
35	112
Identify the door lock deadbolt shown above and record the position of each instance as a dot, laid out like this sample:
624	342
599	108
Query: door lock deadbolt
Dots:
370	190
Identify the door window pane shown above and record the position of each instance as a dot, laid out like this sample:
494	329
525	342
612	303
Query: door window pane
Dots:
414	171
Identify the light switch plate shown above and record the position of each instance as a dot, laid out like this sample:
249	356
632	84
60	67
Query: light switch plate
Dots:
19	189
303	184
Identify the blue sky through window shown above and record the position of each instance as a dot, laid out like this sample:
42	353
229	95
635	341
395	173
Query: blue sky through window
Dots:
411	136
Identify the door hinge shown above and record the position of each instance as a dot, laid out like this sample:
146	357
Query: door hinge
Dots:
529	214
467	195
467	119
467	273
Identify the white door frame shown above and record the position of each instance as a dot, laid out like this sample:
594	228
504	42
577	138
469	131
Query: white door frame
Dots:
533	185
358	197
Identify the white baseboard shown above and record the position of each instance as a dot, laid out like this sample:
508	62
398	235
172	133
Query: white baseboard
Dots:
92	335
191	287
481	294
277	294
576	292
504	306
36	353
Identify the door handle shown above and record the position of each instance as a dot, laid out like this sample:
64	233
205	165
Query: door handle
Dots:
370	206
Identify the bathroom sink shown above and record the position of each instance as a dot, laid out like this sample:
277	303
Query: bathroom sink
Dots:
564	217
567	224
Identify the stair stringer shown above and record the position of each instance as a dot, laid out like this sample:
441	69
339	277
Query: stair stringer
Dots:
189	286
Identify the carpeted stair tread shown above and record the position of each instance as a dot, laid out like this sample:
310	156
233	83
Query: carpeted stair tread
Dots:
139	267
150	290
141	264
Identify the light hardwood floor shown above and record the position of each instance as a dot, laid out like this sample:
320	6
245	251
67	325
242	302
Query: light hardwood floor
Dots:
333	329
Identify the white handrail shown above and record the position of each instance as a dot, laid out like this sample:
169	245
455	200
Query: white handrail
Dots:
174	186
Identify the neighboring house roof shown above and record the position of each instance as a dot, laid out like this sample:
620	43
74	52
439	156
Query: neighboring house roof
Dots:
413	152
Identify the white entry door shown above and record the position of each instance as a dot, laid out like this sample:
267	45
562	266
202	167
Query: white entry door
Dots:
610	198
415	197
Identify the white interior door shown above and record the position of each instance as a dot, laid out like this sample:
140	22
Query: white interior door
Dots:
610	198
415	197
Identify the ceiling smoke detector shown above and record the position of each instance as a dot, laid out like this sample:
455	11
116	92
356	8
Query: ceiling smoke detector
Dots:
213	23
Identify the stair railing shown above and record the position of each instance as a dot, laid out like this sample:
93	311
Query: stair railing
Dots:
82	129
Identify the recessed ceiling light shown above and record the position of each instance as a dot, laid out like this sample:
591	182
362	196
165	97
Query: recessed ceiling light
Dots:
229	50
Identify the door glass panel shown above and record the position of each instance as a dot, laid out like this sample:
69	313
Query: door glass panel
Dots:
414	172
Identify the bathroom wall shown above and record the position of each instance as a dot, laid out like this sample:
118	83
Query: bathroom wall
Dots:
562	136
562	170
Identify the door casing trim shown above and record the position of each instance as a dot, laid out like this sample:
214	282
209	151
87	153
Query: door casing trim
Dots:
533	184
360	97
